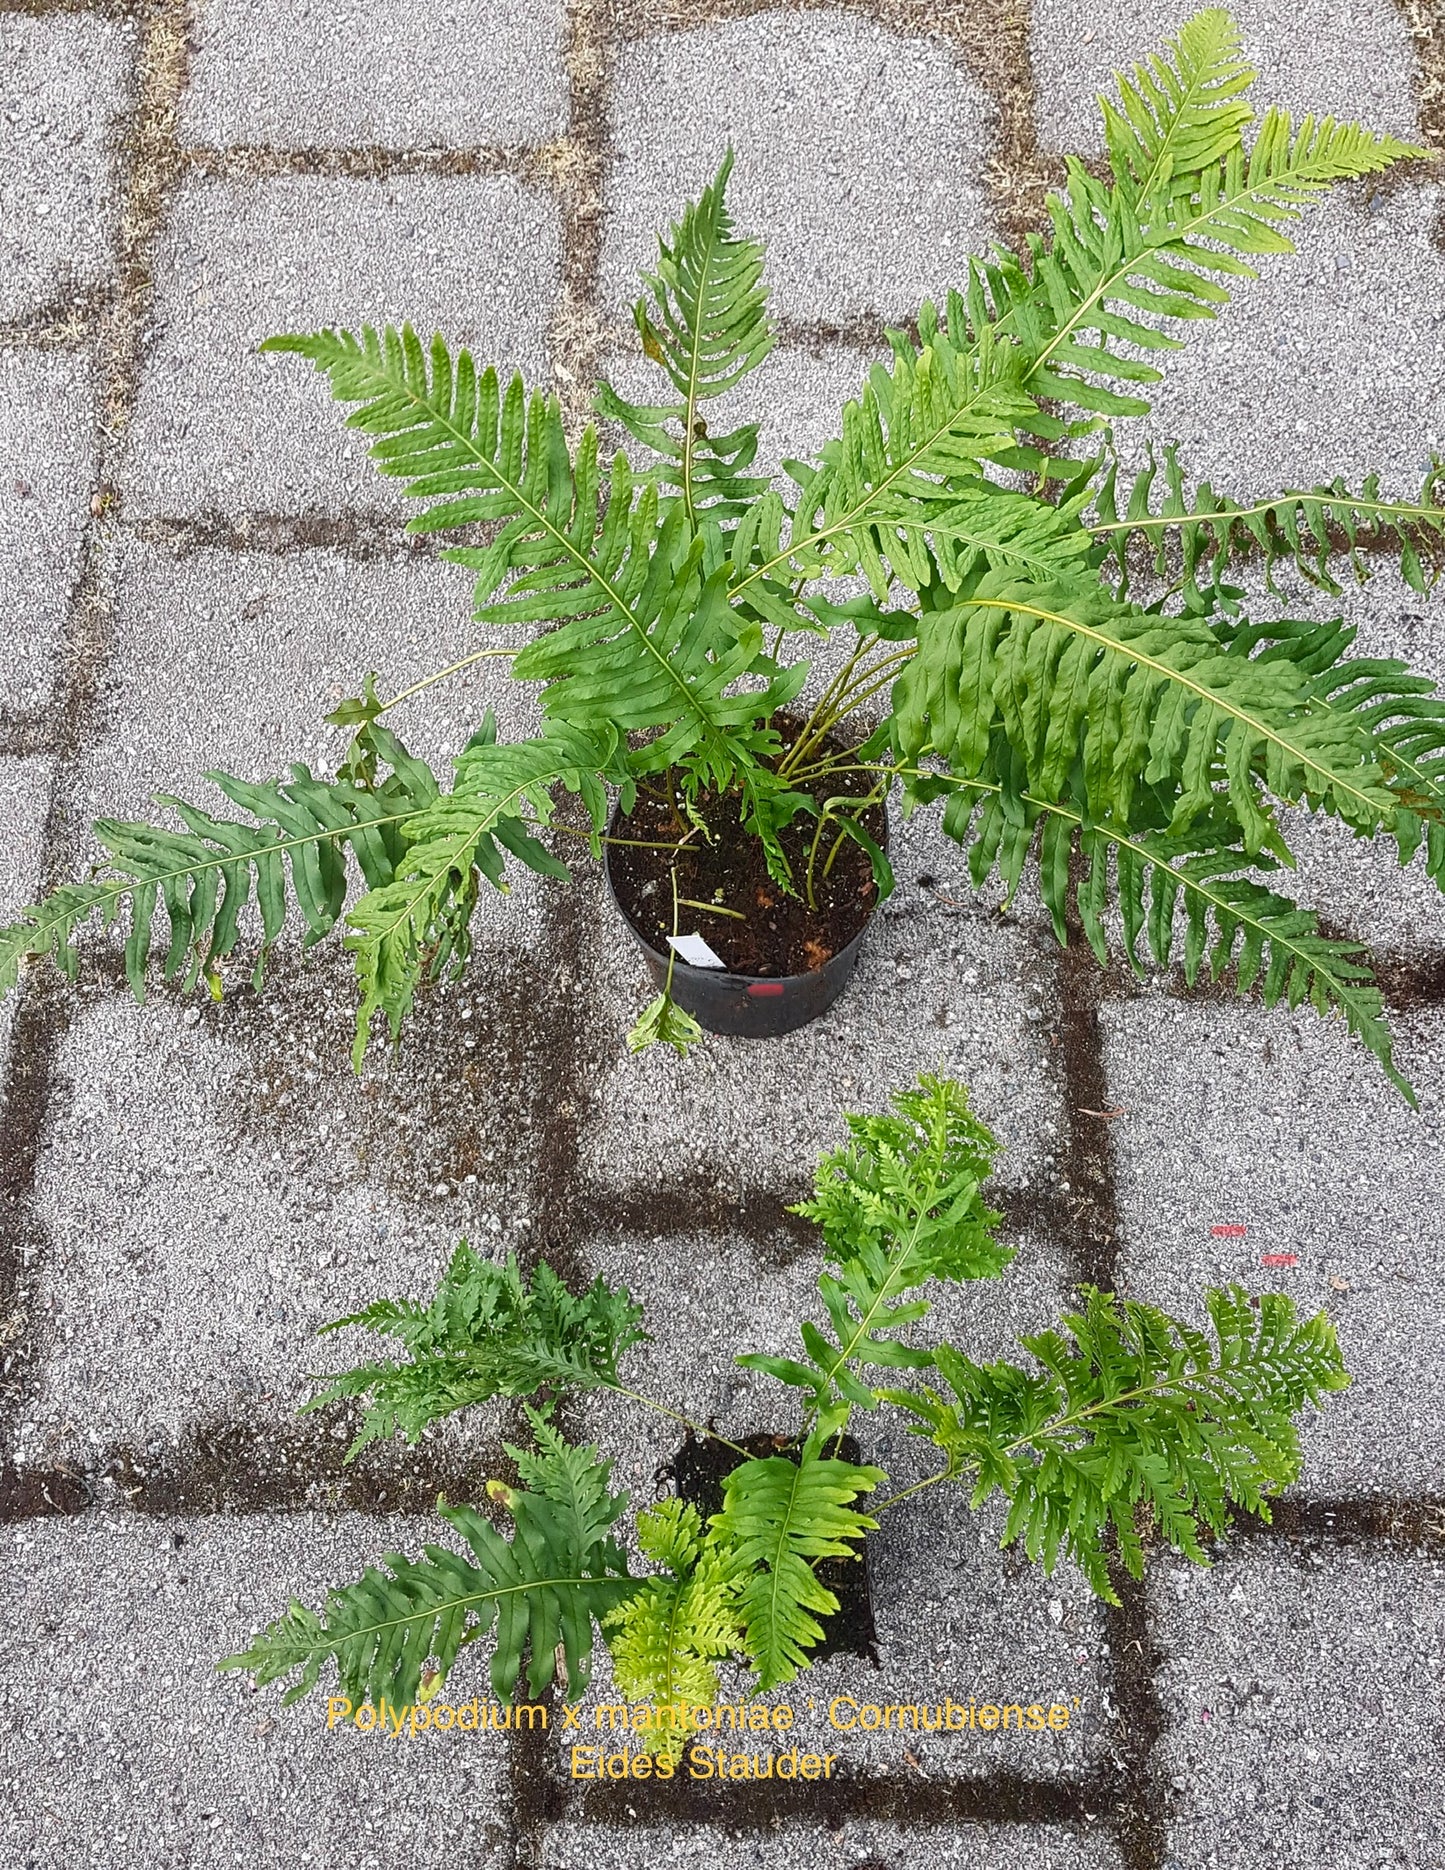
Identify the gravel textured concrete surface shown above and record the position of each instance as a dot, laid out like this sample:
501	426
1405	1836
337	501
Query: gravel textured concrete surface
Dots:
219	427
1334	1755
197	563
63	86
841	1847
1331	363
858	156
125	1746
230	660
44	499
370	73
1333	58
1324	1162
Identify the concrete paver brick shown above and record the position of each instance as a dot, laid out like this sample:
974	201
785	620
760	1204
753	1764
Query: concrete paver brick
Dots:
217	1185
121	1743
1331	363
1284	1125
230	660
44	500
981	1847
218	427
1302	1699
1339	58
858	157
64	83
369	73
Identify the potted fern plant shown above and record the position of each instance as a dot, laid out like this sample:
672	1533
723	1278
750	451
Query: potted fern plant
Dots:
1135	754
1123	1427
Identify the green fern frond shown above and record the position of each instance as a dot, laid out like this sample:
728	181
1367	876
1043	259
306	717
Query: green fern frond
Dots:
1403	714
1187	208
1071	677
418	923
910	452
1179	113
541	1591
667	1638
486	1332
1193	539
1133	1410
912	1177
1201	877
663	1022
900	1205
706	327
778	1517
645	639
205	876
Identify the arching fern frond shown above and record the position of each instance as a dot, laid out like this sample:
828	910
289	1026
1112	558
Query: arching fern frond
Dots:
1404	715
1075	318
1195	898
1126	258
1177	114
301	832
417	924
487	1332
541	1591
645	639
1133	1410
706	327
669	1635
778	1517
1192	538
1071	677
924	424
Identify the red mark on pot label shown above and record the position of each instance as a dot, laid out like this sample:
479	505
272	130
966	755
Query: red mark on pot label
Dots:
1228	1230
765	989
1279	1259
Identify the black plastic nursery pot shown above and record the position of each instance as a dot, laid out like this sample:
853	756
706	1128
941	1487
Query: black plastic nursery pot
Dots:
746	1006
698	1471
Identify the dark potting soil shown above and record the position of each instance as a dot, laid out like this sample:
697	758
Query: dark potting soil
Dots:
779	935
698	1471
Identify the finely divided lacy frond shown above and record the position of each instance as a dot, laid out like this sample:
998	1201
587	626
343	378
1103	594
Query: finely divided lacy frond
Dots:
1132	1411
669	1635
900	1206
487	1331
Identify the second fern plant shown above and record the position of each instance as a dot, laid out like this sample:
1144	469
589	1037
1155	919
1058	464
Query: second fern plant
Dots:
1123	1427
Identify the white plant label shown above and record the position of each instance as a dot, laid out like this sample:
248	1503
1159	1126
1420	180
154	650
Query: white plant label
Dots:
695	951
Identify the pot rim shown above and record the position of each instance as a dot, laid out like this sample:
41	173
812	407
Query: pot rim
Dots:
720	973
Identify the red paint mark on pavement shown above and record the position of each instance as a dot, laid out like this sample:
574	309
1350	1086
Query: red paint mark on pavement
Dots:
1228	1230
1279	1259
